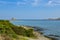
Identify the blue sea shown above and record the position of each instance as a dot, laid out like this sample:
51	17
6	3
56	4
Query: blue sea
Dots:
52	26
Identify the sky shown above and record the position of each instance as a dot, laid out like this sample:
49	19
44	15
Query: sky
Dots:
29	9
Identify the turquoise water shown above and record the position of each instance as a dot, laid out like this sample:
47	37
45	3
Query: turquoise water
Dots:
53	27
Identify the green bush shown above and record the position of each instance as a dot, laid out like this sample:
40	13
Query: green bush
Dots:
8	28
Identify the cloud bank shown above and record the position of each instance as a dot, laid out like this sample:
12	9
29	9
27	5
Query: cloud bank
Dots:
33	2
54	3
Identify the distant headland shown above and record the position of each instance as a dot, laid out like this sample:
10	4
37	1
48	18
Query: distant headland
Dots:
53	18
14	19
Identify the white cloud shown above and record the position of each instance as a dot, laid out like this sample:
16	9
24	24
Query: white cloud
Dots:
20	3
35	2
14	3
29	2
50	2
53	3
32	2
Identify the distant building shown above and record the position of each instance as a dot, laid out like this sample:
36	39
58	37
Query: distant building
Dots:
13	18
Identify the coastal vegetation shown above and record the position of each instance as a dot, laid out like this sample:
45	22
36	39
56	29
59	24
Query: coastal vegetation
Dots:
9	31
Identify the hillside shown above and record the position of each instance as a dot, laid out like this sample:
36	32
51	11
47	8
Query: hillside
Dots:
9	31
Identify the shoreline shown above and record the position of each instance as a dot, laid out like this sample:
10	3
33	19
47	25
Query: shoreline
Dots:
38	29
39	34
31	32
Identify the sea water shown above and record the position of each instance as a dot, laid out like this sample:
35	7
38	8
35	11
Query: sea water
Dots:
52	26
